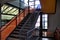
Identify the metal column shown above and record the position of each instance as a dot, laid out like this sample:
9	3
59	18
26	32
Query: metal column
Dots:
40	31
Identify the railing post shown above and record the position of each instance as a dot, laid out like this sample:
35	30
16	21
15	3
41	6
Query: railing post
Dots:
28	7
40	31
0	20
0	15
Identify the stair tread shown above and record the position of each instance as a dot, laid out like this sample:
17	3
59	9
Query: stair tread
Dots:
24	30
17	29
27	28
22	33
9	38
21	24
14	35
17	35
12	38
15	32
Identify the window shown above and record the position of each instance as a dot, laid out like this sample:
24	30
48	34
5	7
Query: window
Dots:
31	3
8	12
44	33
45	21
7	17
44	25
5	9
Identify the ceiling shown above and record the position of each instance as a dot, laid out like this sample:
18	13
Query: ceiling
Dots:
15	3
4	1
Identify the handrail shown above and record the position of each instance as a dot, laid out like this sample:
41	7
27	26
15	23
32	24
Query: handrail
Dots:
34	22
25	22
10	22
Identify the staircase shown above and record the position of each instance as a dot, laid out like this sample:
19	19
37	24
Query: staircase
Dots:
24	30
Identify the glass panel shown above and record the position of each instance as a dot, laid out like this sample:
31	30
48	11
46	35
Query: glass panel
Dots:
43	24
37	4
7	17
9	10
45	21
44	15
46	24
16	12
3	7
45	18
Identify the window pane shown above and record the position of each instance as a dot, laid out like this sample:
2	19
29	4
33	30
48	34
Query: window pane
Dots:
7	17
3	7
12	10
44	15
6	9
31	3
16	12
44	25
45	18
32	6
45	21
37	2
44	33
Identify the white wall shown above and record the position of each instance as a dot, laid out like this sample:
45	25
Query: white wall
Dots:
54	19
